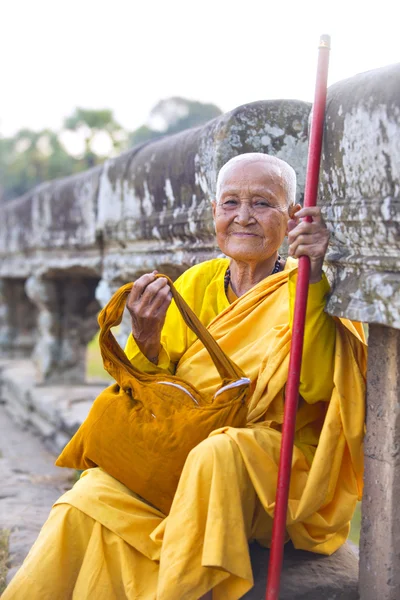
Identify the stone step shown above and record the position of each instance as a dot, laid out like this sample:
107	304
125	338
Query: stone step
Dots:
308	576
53	412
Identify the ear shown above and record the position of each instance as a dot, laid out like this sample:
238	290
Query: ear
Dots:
214	208
292	210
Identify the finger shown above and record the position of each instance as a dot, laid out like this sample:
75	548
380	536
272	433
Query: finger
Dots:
152	289
291	224
306	240
311	211
161	301
141	284
153	315
315	250
138	288
310	250
304	227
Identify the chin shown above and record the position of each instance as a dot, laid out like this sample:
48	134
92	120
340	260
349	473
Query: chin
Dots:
243	256
249	254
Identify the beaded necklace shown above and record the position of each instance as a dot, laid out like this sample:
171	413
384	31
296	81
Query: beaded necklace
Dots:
227	278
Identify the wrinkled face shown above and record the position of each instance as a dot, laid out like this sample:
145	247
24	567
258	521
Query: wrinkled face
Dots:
251	212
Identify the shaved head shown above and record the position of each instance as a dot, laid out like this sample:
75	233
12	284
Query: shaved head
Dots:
287	173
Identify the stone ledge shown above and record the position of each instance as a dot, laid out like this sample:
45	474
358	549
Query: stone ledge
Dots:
52	412
307	576
30	484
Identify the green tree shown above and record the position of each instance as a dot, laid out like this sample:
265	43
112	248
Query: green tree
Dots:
31	157
143	134
172	115
90	123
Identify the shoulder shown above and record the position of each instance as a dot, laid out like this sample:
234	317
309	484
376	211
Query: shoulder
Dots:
202	286
203	274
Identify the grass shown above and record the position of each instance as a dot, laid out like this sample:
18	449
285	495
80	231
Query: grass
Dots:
94	362
4	535
354	535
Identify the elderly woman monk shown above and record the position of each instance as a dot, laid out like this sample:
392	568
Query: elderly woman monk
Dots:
102	541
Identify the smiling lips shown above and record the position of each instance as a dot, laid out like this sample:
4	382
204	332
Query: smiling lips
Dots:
244	234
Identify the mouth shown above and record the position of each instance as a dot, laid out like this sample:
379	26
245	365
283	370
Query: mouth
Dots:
244	234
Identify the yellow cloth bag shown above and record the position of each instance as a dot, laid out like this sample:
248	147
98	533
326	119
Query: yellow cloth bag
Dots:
141	429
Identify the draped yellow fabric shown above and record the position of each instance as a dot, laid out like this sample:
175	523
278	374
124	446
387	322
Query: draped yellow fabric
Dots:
153	417
102	541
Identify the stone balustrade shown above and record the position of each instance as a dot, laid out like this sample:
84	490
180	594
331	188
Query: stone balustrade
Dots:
148	208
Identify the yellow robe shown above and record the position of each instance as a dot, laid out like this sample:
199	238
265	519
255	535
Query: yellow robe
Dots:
102	541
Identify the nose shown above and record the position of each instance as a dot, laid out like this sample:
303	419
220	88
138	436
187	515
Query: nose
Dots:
244	214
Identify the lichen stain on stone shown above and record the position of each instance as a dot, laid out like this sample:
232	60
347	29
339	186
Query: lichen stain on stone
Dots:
297	125
364	145
265	140
169	192
147	200
201	181
359	193
386	209
131	206
110	199
155	233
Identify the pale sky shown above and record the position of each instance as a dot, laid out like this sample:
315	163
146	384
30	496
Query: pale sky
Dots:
127	55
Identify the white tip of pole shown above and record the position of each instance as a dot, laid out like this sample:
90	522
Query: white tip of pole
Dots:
325	41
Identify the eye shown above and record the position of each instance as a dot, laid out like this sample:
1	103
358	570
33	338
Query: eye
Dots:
230	202
261	203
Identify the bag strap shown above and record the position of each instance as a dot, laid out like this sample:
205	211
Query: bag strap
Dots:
111	315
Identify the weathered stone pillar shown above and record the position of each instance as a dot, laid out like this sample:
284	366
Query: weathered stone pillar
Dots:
360	193
44	295
380	534
4	322
17	319
66	323
78	326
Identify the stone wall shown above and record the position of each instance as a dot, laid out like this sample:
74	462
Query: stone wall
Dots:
360	192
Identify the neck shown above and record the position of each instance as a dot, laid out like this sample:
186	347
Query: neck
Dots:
246	275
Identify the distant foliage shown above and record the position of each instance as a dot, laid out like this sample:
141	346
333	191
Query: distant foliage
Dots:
173	115
29	158
32	157
143	134
91	123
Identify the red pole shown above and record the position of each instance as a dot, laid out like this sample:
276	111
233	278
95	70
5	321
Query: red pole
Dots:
292	387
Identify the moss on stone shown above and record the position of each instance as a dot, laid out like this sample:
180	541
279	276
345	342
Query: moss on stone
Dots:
4	535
